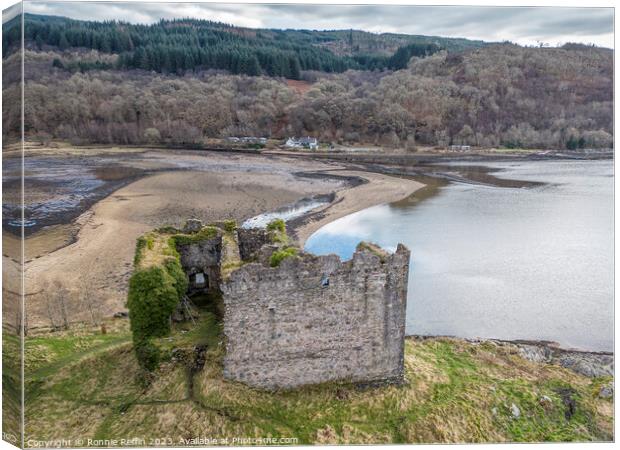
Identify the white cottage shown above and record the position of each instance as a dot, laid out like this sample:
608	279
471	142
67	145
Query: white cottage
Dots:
304	142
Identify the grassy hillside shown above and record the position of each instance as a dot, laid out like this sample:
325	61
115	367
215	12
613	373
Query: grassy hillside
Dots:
82	384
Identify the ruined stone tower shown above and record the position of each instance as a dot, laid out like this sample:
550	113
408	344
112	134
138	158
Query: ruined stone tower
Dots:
315	319
290	318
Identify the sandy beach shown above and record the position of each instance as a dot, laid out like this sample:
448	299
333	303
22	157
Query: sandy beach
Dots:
98	261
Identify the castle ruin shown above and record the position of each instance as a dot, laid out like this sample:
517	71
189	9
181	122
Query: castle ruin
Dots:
292	318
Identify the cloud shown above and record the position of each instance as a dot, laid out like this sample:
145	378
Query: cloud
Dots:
11	11
524	25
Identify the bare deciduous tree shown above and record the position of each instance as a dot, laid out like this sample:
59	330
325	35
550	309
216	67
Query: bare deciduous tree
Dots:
56	298
88	302
498	95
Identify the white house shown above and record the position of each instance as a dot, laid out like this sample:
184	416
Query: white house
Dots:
460	148
304	142
247	140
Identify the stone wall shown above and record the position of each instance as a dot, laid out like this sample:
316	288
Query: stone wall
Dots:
315	319
251	240
202	257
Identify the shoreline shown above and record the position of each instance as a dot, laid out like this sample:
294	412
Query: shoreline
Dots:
589	363
98	255
143	164
414	158
373	189
356	191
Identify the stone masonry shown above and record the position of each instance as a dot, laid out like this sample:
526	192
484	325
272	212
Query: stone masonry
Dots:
250	242
291	318
316	319
204	258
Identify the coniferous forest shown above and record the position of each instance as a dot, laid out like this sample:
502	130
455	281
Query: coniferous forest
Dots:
177	46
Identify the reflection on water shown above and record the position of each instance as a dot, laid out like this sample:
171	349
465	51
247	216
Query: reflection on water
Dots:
287	213
509	263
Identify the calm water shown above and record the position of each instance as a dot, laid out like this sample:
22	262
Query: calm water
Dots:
508	263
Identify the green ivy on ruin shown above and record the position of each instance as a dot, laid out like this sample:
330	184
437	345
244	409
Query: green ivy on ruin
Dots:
157	286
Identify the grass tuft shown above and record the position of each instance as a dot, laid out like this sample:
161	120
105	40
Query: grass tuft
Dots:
280	255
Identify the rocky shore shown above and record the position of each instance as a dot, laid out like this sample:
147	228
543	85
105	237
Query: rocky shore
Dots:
590	364
587	363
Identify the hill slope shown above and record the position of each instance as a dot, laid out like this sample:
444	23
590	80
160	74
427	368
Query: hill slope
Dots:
455	392
498	95
146	84
179	45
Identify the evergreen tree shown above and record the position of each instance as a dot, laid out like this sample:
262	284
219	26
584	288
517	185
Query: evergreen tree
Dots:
294	68
253	67
180	45
63	43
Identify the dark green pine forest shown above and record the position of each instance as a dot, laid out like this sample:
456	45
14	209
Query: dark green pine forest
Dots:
177	46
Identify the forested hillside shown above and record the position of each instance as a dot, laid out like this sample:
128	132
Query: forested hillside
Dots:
494	95
178	46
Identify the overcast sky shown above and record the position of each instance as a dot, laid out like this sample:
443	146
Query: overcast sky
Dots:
526	25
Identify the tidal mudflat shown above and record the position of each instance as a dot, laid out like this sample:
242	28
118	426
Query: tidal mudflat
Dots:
83	235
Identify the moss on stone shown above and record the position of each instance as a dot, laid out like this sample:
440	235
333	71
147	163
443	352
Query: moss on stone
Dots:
208	232
373	248
167	229
144	244
230	260
140	246
230	226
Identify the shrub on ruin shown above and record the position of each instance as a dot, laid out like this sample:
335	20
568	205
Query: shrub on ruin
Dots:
277	225
230	226
280	255
152	298
147	353
277	231
154	293
174	269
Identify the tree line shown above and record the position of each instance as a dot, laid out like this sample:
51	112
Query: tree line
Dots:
178	46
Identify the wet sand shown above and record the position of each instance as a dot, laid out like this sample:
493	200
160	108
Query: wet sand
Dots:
98	259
